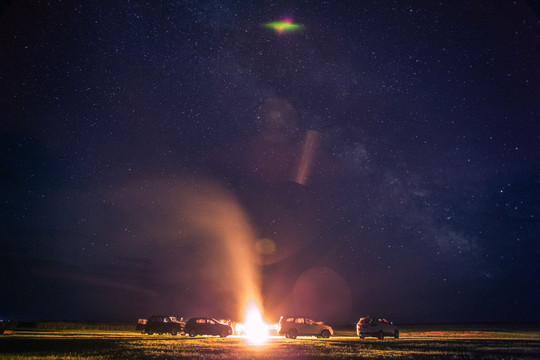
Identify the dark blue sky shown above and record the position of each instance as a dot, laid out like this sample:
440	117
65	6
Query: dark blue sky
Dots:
121	122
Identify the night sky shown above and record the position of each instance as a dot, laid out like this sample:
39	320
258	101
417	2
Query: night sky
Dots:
382	160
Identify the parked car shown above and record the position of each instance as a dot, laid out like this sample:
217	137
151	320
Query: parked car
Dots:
379	328
292	327
207	326
161	324
141	324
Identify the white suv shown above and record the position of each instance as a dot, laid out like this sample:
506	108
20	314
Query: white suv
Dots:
376	327
292	327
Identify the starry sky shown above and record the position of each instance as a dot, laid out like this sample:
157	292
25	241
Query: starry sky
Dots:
383	159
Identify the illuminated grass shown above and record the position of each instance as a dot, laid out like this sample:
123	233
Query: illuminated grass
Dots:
420	343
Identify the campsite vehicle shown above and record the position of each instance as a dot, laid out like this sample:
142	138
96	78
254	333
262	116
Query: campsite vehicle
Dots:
378	328
207	326
160	324
292	327
141	324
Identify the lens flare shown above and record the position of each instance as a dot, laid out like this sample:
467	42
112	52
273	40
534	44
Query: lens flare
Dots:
283	26
309	151
254	327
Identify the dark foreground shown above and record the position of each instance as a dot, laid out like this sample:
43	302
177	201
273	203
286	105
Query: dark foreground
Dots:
417	343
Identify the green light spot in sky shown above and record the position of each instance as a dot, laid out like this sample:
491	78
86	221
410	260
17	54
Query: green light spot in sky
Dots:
283	26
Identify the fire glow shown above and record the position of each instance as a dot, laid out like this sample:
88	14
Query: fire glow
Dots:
215	213
254	327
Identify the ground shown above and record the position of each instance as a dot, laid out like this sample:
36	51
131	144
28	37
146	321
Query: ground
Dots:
420	342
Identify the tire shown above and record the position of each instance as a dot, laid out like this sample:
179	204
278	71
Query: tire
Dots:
362	337
192	334
173	333
396	334
287	335
325	334
380	335
150	332
224	334
293	333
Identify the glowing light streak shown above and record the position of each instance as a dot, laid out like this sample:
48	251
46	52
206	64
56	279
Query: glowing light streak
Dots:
309	150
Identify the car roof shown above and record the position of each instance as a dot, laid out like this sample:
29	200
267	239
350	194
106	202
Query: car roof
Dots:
301	317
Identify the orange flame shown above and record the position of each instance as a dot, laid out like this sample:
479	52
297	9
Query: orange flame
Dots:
254	326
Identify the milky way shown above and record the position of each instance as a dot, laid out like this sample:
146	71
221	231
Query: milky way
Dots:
386	152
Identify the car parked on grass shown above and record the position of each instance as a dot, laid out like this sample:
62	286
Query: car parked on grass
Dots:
378	328
161	324
291	327
207	326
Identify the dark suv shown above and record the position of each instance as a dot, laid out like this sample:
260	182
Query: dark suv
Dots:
207	326
163	325
379	328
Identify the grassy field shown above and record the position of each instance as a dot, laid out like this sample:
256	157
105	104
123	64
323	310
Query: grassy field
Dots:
419	342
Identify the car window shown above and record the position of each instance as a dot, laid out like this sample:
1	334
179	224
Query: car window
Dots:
310	322
290	320
299	321
200	321
211	322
